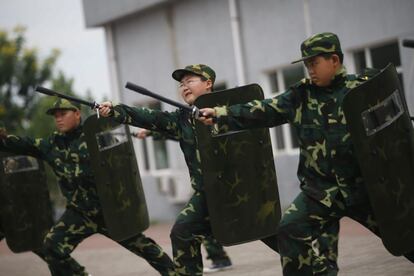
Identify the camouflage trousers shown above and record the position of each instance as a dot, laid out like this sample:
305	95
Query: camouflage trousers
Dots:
74	226
304	234
191	227
215	251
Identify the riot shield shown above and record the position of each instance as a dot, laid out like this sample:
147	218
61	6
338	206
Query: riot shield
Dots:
239	174
25	207
117	177
383	137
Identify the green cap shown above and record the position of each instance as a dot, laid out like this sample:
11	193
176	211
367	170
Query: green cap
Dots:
319	44
63	104
196	69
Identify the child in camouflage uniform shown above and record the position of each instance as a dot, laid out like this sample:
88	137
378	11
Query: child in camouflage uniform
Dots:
331	182
192	224
66	152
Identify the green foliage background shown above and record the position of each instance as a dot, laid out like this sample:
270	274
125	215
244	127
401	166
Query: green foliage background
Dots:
22	110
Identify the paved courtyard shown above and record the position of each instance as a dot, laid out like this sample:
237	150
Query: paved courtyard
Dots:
361	253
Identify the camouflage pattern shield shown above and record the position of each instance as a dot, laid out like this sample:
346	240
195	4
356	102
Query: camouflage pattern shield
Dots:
25	207
117	177
239	174
383	137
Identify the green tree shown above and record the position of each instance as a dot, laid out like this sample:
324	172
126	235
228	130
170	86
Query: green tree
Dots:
22	111
21	70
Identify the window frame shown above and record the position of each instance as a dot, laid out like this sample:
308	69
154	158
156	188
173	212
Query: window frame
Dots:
368	57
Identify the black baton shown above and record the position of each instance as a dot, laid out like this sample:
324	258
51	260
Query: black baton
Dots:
141	90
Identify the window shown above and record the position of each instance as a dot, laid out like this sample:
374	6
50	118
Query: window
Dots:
284	137
379	57
154	155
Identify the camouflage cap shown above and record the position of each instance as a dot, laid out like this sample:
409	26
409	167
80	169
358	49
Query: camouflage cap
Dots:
63	104
318	44
196	69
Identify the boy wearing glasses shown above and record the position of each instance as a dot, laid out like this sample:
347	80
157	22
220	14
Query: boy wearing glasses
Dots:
192	224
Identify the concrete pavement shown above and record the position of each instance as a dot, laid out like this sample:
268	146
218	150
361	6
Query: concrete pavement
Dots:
360	253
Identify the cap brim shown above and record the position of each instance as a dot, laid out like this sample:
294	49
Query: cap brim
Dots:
51	111
180	73
303	59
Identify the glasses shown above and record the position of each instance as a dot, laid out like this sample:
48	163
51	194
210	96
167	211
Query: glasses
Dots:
188	83
311	63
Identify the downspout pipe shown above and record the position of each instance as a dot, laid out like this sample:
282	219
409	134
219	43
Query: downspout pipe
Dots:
237	42
112	64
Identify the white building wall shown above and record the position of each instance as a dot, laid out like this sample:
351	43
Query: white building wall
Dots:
272	32
204	36
143	54
150	44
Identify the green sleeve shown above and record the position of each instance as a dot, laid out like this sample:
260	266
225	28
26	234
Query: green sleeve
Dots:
157	136
255	114
154	120
25	145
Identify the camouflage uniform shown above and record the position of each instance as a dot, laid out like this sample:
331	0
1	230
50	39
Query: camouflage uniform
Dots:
192	225
331	182
215	251
68	156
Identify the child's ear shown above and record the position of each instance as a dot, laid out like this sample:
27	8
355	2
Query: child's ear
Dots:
335	58
209	84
